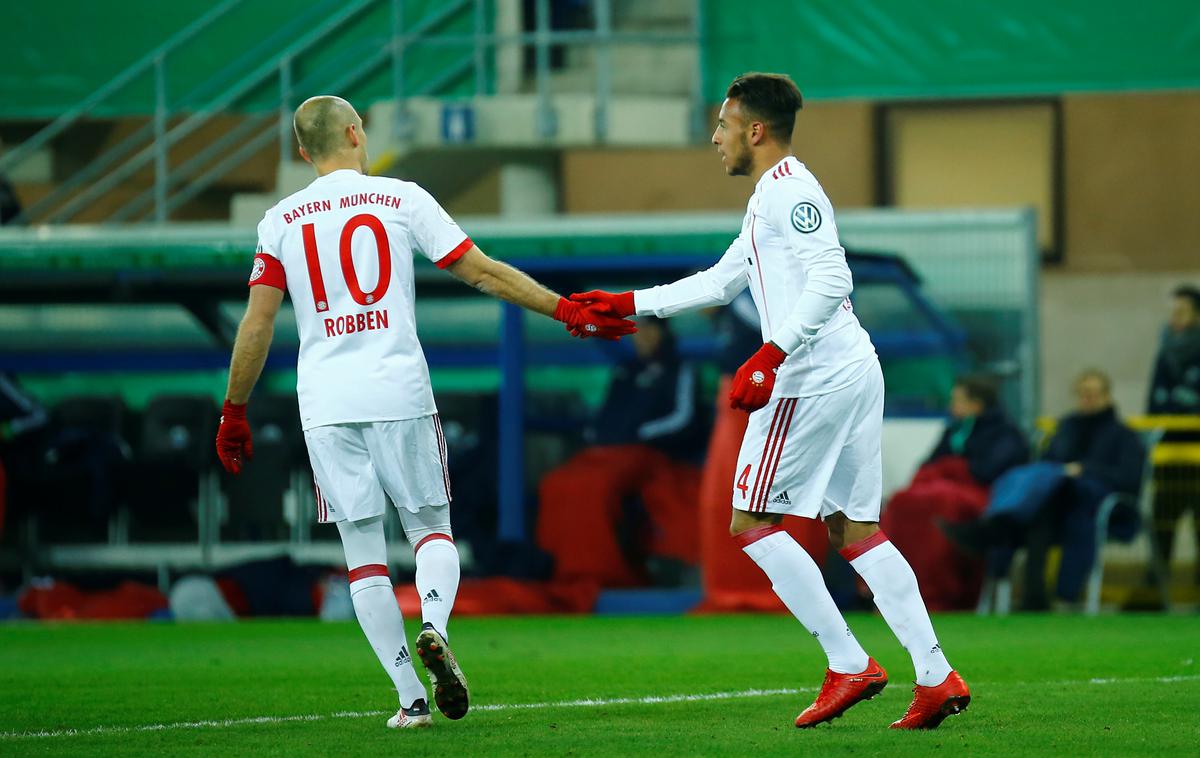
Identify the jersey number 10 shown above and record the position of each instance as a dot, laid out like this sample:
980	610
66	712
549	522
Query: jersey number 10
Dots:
382	248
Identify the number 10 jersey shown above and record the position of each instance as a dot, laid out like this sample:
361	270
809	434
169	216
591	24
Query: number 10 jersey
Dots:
343	249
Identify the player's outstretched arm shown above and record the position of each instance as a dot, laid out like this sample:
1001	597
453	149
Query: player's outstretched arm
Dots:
716	285
508	283
234	442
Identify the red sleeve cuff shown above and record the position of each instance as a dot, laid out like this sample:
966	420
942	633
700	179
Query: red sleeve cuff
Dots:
449	258
269	271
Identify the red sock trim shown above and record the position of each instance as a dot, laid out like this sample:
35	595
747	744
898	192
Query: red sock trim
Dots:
369	570
437	536
751	536
850	552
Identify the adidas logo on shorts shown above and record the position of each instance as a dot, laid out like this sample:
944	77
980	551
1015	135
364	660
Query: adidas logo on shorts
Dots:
782	499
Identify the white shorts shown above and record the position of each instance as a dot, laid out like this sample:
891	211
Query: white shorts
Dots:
813	456
358	467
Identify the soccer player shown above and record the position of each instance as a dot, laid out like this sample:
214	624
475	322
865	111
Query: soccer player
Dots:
343	248
814	391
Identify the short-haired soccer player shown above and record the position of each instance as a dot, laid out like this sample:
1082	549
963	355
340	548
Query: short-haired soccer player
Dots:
343	248
814	391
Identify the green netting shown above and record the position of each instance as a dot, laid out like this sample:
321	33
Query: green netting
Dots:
48	71
951	48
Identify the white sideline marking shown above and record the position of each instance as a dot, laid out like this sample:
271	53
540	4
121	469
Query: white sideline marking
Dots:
582	703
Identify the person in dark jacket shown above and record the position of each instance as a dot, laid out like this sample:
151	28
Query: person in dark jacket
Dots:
643	438
979	444
1175	390
1175	386
1054	501
980	433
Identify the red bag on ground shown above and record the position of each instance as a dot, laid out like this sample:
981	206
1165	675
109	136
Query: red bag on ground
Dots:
949	579
62	601
580	507
497	596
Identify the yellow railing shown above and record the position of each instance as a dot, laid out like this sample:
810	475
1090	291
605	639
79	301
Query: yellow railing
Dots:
1169	453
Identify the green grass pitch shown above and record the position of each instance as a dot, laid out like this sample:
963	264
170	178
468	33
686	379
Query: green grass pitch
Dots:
1042	685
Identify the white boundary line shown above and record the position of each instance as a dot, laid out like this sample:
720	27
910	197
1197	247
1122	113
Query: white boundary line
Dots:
582	703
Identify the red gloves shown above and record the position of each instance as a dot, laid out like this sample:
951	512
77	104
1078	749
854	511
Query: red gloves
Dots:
616	303
592	320
233	438
753	382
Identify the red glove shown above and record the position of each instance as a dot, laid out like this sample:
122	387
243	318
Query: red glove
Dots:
753	382
617	303
592	321
234	442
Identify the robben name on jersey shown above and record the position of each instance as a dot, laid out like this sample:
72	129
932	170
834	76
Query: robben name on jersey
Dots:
343	249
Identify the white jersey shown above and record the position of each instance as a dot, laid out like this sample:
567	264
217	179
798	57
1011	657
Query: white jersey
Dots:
343	247
789	255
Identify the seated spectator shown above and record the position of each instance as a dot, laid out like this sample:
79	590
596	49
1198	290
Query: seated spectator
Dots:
643	436
1054	501
979	444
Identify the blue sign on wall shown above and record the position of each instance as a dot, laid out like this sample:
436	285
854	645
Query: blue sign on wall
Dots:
458	122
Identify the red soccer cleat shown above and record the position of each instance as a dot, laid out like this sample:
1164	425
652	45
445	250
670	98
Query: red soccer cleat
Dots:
931	705
840	692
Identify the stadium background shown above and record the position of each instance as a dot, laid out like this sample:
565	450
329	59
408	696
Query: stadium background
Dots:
1027	171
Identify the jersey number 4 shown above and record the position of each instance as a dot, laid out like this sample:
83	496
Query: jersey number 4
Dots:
743	481
382	248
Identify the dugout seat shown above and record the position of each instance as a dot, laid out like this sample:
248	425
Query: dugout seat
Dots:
175	477
257	496
78	481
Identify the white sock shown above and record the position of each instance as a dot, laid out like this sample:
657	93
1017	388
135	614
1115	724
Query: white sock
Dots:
437	578
797	581
898	598
379	616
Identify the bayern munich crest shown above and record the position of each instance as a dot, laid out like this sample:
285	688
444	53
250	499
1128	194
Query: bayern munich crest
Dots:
259	269
806	218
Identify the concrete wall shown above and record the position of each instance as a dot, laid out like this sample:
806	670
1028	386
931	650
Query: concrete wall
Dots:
1132	181
1109	321
833	139
1130	163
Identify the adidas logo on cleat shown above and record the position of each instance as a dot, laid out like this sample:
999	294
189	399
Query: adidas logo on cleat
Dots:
782	498
431	597
403	657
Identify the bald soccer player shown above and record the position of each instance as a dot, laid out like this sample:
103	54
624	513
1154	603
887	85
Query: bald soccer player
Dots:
343	249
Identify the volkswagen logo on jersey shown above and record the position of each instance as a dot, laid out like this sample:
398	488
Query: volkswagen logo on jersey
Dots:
259	269
806	218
